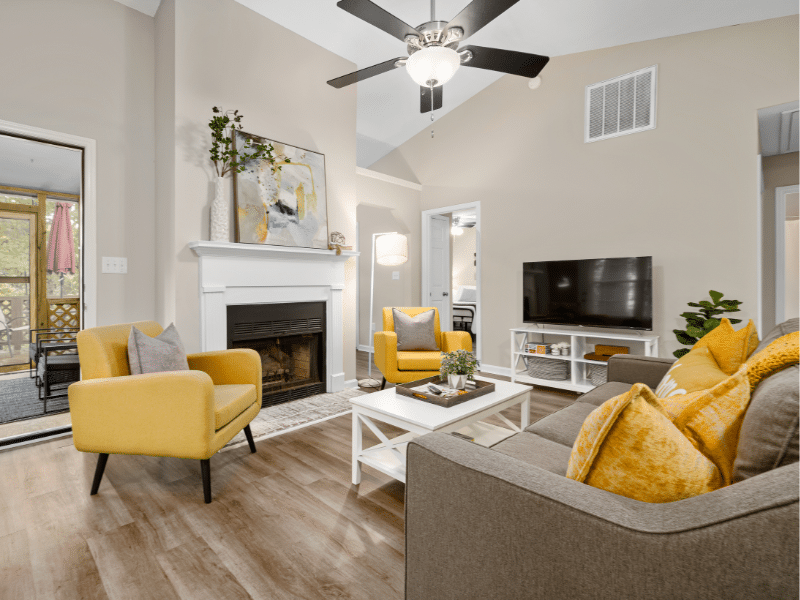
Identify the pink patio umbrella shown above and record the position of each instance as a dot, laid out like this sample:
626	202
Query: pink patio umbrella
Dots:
60	247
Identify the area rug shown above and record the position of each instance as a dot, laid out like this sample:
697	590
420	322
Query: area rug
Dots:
274	420
19	399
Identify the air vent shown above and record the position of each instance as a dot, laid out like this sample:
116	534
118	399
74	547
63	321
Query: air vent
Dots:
276	328
619	106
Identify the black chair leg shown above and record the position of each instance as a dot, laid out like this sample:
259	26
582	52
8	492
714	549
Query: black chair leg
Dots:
250	441
205	467
383	382
102	459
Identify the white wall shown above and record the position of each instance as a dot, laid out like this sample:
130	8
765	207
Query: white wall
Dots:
684	192
226	55
385	207
86	67
464	248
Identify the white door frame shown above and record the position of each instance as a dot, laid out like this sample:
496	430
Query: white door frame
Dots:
88	206
426	233
780	249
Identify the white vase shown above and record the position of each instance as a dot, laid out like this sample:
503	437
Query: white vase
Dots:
219	214
457	382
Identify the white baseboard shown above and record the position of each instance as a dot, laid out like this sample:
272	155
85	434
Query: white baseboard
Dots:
494	370
349	384
364	348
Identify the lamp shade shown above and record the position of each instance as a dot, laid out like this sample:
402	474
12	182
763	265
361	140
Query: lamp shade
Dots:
433	66
391	249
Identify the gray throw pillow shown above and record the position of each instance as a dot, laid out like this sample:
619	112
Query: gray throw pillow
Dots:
415	333
153	355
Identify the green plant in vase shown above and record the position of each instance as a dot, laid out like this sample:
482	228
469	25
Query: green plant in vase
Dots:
227	159
457	367
704	320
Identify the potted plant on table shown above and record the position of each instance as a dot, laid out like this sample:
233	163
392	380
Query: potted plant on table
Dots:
458	366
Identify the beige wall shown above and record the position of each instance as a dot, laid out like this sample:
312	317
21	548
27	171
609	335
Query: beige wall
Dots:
463	267
384	207
685	192
85	68
226	55
778	171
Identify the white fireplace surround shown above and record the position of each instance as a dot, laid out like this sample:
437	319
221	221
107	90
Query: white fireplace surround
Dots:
252	274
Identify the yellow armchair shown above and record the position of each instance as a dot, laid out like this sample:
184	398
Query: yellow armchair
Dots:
181	414
404	366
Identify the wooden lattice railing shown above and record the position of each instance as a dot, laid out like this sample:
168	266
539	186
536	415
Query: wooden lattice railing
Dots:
63	312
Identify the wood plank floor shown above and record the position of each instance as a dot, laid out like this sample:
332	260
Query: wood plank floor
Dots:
285	523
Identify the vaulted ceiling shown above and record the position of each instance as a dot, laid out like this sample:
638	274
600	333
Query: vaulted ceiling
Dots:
388	105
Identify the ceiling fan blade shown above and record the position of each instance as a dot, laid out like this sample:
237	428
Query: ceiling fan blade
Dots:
505	61
363	74
425	99
375	15
477	14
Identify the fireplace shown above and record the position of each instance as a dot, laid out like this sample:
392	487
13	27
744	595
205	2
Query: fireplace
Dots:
290	338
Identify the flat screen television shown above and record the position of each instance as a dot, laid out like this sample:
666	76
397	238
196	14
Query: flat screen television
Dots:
596	292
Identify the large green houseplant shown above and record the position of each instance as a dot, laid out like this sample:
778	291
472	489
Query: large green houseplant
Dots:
704	320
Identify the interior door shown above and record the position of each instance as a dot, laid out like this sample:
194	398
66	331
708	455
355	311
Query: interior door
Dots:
17	287
439	272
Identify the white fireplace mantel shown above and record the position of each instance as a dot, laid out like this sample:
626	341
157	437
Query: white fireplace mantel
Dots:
253	274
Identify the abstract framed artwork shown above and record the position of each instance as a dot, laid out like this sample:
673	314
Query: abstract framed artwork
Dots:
287	207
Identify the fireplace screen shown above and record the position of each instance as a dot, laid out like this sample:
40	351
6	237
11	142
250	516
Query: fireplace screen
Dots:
290	339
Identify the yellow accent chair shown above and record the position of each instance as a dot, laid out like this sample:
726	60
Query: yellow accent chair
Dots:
181	414
405	366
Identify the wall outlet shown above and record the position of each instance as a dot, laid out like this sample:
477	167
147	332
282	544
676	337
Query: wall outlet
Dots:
395	274
115	264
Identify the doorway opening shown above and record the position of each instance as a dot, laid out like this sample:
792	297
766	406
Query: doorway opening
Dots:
779	181
451	268
42	282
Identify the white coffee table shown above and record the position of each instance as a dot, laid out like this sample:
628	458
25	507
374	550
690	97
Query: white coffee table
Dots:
418	418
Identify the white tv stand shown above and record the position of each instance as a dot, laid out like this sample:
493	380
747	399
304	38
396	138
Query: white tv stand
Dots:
578	381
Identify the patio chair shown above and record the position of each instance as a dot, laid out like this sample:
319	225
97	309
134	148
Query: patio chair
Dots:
7	331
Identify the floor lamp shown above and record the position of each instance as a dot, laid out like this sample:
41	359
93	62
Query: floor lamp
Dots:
388	249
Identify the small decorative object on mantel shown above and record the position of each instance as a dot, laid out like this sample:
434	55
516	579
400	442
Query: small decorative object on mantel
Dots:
337	243
284	207
227	159
458	366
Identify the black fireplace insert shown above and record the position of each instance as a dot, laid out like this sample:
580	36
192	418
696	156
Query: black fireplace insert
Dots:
290	338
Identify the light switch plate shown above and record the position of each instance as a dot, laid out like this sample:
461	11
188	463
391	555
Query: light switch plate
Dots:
115	264
395	274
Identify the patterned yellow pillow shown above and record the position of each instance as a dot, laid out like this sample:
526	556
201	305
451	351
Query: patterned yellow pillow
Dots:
694	371
730	348
628	446
712	419
780	354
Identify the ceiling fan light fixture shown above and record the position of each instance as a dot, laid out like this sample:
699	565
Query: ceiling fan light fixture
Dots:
433	66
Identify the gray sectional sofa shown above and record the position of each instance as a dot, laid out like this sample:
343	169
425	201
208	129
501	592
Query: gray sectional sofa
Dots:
505	523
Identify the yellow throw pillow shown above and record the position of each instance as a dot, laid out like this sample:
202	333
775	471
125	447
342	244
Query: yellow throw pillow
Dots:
780	354
628	446
712	419
694	371
730	348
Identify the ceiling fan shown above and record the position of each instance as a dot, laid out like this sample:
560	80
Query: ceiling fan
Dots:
433	49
